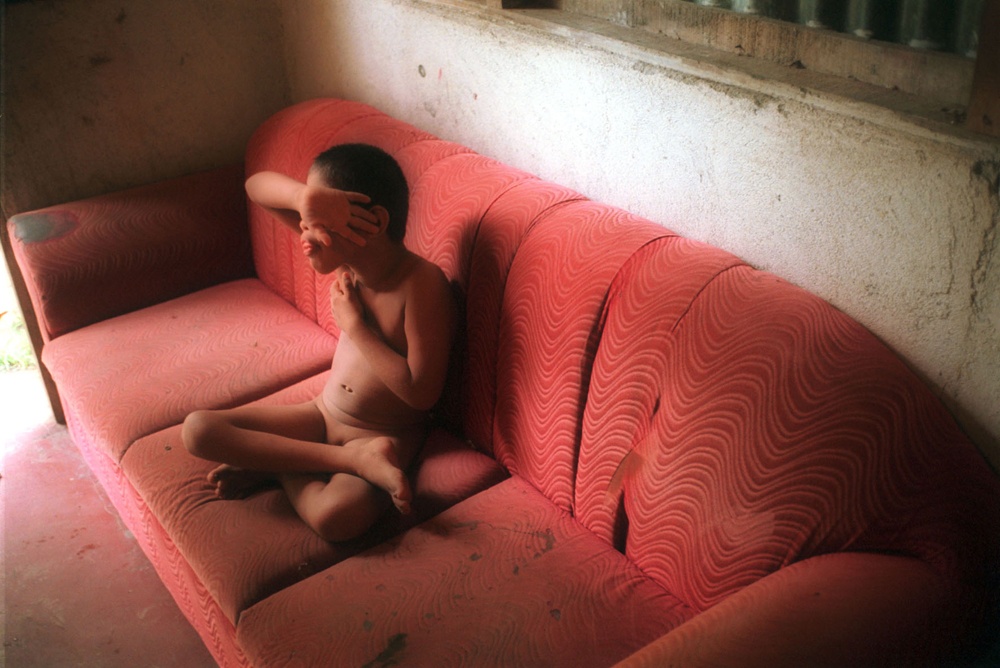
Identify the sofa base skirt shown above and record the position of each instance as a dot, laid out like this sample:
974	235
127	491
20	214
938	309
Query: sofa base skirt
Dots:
191	597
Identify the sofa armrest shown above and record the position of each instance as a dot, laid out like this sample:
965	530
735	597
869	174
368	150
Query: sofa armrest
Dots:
845	609
93	259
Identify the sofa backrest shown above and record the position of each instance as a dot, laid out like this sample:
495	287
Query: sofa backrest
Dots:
737	424
548	332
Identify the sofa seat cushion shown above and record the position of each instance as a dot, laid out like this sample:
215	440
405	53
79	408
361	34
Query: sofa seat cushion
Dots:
245	550
503	578
135	374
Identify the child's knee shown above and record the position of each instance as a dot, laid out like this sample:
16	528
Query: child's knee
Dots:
197	432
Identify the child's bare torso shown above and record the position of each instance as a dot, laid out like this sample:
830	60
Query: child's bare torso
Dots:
354	394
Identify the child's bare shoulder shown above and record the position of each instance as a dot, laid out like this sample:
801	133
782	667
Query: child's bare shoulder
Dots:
425	275
428	289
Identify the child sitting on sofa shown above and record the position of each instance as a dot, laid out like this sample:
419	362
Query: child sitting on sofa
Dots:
397	320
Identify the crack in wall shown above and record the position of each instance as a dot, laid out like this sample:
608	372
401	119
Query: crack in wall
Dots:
988	172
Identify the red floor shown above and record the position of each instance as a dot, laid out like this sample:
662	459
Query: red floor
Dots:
78	590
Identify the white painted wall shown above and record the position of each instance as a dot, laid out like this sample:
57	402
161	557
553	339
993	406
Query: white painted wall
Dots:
892	223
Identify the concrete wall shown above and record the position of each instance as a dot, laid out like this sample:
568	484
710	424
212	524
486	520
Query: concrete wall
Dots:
104	94
891	222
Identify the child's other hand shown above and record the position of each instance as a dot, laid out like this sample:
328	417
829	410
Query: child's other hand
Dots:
328	209
348	311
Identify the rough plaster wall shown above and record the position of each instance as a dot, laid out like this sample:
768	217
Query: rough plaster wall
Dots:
104	94
894	225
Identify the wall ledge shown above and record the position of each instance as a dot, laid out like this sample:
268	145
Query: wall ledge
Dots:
757	79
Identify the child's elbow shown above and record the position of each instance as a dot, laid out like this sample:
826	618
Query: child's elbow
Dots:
423	403
424	398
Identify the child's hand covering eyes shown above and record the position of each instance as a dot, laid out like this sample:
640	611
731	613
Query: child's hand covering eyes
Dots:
326	210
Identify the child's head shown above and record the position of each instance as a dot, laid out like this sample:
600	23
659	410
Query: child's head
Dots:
366	169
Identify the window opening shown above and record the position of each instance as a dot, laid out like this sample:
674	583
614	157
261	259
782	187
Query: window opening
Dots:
932	50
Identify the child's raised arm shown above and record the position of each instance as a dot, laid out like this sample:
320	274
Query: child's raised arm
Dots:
300	205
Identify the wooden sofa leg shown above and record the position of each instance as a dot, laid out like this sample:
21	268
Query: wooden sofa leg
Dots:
31	323
50	389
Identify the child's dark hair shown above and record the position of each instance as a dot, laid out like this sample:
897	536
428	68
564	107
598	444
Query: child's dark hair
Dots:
367	169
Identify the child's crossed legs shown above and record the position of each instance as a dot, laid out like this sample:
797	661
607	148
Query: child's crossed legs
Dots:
301	446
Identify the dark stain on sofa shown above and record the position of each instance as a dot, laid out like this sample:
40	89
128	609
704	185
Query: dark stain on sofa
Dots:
549	541
30	228
389	656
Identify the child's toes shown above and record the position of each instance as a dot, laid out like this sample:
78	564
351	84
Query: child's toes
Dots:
402	505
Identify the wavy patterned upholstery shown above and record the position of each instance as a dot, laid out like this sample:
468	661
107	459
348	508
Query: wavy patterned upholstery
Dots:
97	258
447	204
502	579
129	376
647	299
187	589
548	334
499	236
756	427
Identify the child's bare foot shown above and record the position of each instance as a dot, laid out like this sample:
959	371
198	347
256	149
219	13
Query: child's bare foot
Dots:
231	482
378	464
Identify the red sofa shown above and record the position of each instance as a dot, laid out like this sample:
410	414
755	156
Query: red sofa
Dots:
649	452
